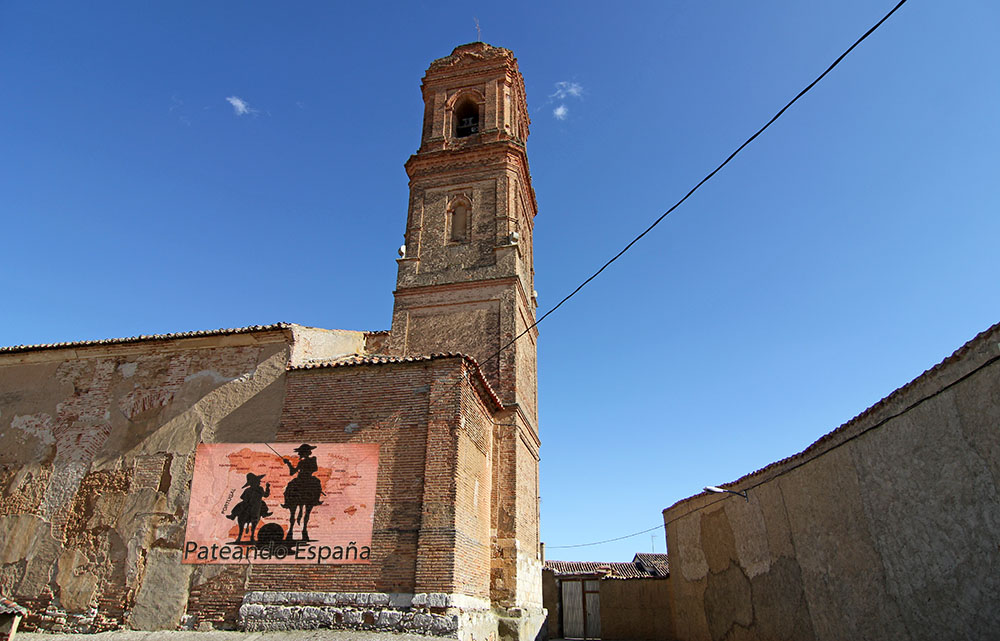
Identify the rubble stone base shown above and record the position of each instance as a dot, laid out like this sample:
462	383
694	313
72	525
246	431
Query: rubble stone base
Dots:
438	614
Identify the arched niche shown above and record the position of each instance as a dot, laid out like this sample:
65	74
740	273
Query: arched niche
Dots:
459	216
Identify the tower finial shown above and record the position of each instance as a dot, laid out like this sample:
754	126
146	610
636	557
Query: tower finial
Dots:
479	33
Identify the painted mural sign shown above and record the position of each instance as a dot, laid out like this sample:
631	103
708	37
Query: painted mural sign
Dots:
282	503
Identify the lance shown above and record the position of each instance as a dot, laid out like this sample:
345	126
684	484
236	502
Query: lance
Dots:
273	450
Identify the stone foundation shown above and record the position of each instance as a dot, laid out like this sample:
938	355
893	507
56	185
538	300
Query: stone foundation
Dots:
445	615
55	619
521	624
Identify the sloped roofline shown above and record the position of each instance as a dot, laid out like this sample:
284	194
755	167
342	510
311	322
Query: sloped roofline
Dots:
841	434
603	570
249	329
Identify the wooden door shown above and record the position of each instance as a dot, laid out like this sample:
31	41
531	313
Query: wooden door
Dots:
581	609
592	609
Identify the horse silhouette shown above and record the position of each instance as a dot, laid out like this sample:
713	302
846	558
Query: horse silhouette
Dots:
302	492
251	508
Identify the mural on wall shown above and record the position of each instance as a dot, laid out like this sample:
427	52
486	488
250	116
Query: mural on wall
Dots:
278	503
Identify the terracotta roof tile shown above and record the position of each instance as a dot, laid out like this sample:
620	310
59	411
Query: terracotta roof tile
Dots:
9	607
606	570
147	337
653	564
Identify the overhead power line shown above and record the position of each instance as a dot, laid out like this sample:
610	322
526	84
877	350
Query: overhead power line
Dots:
583	545
705	179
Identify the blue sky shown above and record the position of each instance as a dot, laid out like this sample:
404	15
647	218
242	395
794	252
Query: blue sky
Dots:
181	166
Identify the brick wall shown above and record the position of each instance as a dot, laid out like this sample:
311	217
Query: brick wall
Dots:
475	487
431	523
365	404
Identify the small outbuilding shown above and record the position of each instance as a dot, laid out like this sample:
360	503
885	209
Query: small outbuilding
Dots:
594	600
10	617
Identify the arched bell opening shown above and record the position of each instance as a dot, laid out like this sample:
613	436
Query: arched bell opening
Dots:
466	119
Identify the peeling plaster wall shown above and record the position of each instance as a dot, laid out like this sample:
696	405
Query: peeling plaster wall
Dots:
96	451
887	529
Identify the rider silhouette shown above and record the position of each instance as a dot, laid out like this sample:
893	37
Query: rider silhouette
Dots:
302	492
305	489
251	507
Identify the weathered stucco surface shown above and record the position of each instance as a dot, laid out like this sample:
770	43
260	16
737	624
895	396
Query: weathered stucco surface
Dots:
888	528
316	344
96	452
938	544
633	609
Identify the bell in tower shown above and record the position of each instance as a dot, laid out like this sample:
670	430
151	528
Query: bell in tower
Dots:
467	119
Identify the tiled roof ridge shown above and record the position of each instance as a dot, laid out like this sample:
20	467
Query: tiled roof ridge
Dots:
10	607
974	343
658	562
610	569
384	359
148	337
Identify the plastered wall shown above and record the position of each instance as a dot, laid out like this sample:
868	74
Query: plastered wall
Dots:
635	609
632	610
888	528
96	453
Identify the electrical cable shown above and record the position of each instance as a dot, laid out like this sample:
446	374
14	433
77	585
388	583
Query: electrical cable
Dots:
703	180
583	545
675	206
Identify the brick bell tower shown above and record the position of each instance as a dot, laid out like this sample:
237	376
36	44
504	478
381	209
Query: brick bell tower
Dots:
466	278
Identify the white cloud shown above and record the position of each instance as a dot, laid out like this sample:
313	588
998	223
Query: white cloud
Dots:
177	108
560	112
566	89
240	106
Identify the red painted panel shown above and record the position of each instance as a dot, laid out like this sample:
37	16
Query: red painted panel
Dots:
278	503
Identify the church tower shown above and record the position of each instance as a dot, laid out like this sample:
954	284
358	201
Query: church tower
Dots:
466	279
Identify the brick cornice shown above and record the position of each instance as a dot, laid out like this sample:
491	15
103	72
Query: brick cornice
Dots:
418	290
444	287
483	156
532	439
